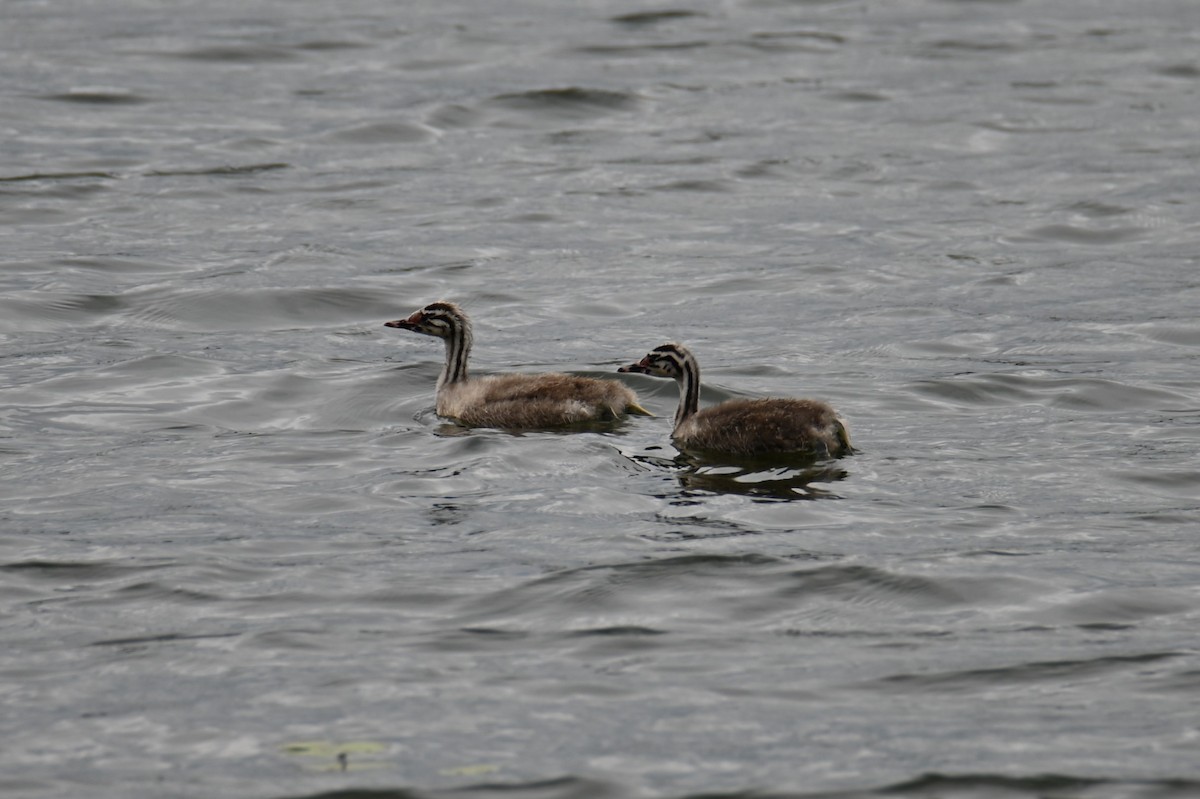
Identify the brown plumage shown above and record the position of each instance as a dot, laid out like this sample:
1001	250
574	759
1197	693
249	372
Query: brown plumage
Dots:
750	428
513	401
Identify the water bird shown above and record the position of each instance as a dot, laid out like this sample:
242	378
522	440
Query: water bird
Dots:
749	428
511	401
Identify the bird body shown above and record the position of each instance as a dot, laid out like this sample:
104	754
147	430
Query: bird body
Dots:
769	426
513	401
533	401
749	428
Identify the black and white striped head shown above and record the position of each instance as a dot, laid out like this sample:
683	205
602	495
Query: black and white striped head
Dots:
669	360
440	319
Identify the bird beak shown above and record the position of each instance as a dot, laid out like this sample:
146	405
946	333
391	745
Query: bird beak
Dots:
639	367
406	324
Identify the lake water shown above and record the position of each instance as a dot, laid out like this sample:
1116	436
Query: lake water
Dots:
240	556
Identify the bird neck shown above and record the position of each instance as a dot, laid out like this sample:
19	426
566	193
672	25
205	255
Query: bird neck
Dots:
689	391
458	349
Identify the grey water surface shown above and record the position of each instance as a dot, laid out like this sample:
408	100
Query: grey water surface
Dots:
240	556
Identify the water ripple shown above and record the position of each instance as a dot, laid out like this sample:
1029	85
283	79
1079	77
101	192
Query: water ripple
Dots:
570	103
1021	674
1076	393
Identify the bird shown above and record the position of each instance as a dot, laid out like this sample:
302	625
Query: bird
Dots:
748	428
512	401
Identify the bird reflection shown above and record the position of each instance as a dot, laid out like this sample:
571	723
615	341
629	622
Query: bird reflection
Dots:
773	484
772	479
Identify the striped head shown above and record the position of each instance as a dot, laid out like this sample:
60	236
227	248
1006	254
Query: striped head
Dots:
440	319
669	360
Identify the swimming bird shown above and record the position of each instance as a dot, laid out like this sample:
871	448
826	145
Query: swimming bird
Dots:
512	401
752	428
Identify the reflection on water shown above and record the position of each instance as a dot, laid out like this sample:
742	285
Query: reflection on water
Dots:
766	479
781	483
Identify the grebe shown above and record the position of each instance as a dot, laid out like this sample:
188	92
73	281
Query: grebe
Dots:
514	401
743	427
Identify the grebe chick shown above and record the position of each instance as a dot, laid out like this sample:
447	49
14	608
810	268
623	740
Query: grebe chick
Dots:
513	401
751	428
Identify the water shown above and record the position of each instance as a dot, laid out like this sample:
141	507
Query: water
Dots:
237	544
